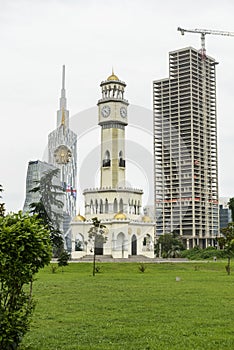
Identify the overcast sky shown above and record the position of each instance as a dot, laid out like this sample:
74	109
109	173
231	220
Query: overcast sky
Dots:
89	37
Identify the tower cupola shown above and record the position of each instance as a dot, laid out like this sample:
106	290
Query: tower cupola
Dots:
113	117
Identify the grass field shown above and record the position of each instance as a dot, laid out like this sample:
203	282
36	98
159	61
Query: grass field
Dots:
122	308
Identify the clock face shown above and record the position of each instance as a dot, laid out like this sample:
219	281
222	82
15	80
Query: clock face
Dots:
105	111
123	112
62	154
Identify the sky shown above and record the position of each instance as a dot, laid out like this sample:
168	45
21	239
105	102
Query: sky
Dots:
91	37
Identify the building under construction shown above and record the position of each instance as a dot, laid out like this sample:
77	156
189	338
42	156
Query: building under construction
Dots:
185	144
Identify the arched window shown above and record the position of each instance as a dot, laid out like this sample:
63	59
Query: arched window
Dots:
91	207
101	206
138	208
135	208
79	242
96	206
106	161
106	206
115	206
148	243
121	160
121	205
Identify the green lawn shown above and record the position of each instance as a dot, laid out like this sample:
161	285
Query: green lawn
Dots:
122	308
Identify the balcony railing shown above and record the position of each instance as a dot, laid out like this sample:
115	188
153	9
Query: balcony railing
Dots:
106	163
121	163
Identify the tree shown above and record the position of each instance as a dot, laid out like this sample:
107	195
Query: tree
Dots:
2	205
96	238
170	244
226	242
231	206
63	259
25	248
50	200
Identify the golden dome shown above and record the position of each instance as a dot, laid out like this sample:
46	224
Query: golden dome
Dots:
120	216
146	218
79	218
112	76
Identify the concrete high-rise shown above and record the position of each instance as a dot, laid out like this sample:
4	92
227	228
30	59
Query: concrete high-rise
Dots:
185	146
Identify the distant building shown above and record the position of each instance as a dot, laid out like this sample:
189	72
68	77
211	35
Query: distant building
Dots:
149	211
225	214
37	169
62	155
185	146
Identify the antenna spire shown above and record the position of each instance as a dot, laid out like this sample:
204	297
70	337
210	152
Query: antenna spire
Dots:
63	118
63	81
63	100
62	113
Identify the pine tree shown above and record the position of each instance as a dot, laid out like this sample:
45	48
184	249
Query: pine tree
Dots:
45	208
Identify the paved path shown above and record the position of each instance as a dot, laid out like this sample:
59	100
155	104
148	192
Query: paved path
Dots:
131	259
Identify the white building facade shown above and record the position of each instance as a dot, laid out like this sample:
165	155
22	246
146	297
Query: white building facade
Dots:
128	232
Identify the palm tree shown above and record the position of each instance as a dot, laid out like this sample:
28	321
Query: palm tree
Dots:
174	252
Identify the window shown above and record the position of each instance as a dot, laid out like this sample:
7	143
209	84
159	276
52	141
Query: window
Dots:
115	206
121	205
121	160
106	161
106	206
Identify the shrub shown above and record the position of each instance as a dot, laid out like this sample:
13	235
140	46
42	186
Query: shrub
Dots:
142	268
25	248
63	258
198	254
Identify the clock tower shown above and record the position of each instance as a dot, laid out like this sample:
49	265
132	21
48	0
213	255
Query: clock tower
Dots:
112	117
117	206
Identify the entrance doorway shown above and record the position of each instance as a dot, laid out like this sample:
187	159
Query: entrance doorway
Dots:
99	245
134	245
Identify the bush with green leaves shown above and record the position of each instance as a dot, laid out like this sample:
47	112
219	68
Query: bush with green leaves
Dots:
25	248
226	242
63	258
198	253
142	267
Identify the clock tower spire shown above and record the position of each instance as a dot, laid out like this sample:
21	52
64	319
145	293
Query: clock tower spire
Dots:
62	153
112	109
63	113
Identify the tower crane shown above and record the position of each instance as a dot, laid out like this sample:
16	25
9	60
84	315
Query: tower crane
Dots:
203	33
